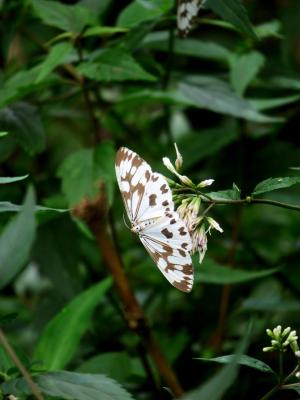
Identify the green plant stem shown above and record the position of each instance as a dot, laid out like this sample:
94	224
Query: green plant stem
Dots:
281	385
10	351
247	200
280	366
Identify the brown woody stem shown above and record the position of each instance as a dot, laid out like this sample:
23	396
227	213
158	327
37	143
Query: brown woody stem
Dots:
11	352
93	213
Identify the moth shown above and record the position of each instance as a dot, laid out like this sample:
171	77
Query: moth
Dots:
187	11
148	201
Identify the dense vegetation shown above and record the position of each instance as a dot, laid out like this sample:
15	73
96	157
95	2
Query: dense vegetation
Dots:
84	312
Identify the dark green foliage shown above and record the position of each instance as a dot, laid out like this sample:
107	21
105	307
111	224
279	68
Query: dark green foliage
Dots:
78	80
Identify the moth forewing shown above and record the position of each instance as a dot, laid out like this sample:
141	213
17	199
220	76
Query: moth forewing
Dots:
150	208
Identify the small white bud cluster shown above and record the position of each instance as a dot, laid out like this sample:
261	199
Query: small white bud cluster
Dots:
188	210
281	339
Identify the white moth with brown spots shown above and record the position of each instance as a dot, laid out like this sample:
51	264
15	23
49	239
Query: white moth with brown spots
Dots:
187	11
148	201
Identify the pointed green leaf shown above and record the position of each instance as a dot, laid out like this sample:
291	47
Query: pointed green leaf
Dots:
8	206
230	194
244	69
70	386
211	272
269	104
140	11
216	386
103	31
243	360
189	47
275	183
61	336
70	18
57	56
234	12
16	241
114	65
24	123
211	93
14	179
82	172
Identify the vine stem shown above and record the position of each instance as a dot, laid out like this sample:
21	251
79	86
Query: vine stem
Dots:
11	352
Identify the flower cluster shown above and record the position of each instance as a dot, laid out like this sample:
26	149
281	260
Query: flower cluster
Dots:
199	225
282	339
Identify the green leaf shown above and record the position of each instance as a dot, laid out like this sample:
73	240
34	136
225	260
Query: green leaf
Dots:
6	362
70	385
200	145
234	12
230	194
3	134
269	104
275	183
243	360
62	334
211	272
8	206
71	18
114	65
16	241
82	171
14	179
269	29
143	10
24	123
103	31
56	56
118	365
244	69
213	94
188	47
215	387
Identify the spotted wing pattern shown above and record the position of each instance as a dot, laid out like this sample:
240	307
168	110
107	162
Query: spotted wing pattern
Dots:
187	11
150	208
169	244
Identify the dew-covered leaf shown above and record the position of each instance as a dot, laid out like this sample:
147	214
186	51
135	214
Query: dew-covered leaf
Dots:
271	184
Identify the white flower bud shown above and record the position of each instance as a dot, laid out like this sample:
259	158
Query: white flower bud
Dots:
184	179
206	182
277	331
286	331
269	332
179	159
265	349
297	375
214	224
169	165
274	342
297	353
